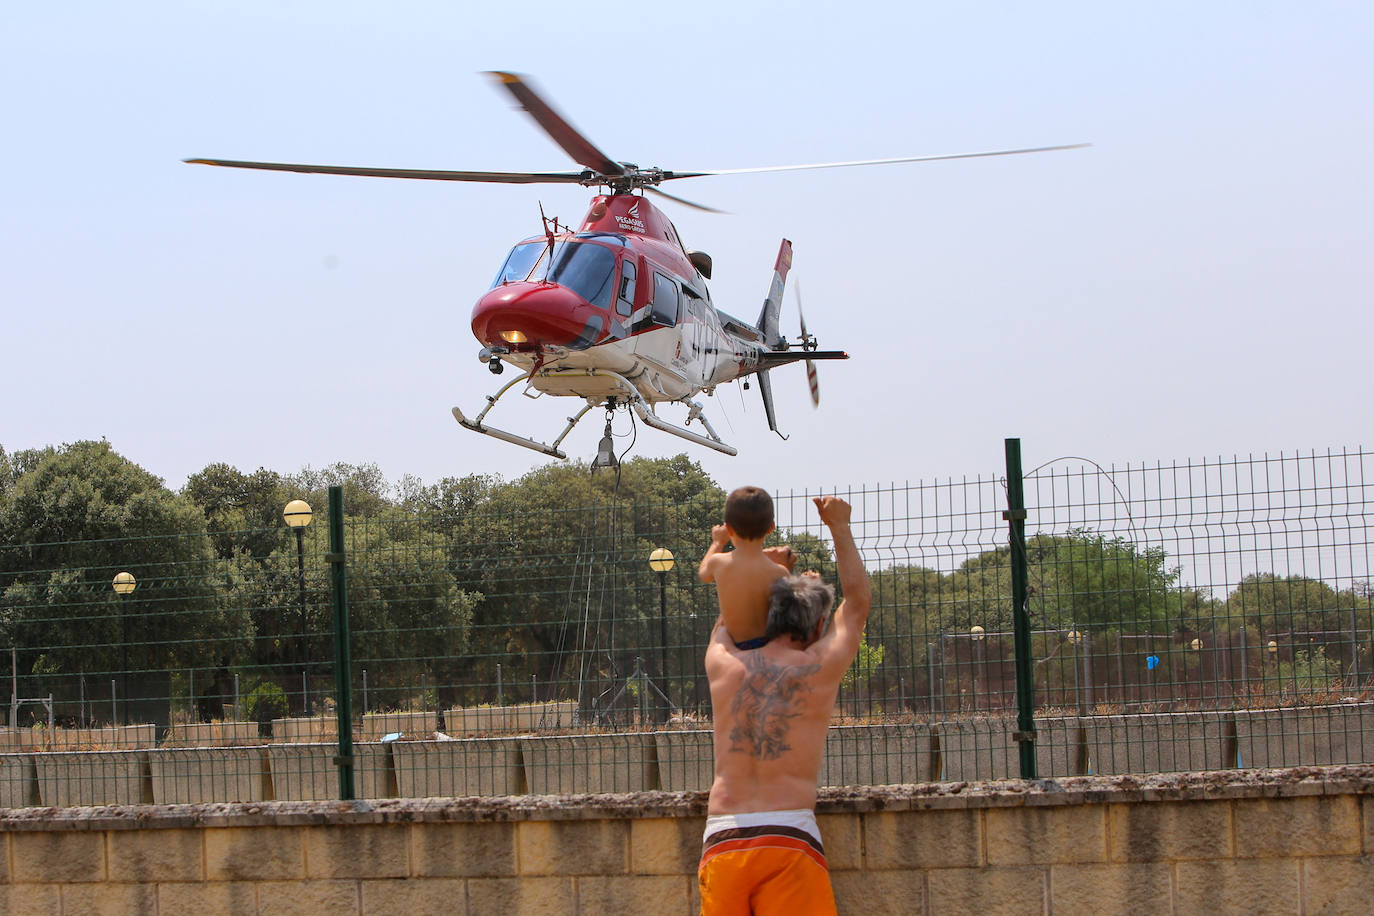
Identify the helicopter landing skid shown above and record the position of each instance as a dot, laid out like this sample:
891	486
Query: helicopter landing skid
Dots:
477	426
630	398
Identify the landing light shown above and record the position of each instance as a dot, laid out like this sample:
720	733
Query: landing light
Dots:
514	337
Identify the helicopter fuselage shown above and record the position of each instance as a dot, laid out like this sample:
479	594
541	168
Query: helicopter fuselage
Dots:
621	295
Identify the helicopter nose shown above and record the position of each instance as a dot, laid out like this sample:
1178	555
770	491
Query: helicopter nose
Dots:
528	316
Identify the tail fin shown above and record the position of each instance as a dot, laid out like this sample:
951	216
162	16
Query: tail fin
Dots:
768	324
772	306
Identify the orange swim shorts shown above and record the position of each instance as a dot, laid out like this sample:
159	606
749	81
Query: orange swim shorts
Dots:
750	866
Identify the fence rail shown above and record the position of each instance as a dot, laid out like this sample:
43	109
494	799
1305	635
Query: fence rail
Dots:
1183	615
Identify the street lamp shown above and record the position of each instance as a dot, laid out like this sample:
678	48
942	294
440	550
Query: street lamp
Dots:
661	562
297	514
124	584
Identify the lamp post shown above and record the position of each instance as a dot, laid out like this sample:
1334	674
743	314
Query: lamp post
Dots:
297	514
977	634
124	584
661	562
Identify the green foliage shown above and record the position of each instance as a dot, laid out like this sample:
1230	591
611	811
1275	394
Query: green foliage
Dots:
1310	670
1289	603
265	702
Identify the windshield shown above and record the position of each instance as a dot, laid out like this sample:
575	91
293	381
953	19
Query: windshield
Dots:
587	270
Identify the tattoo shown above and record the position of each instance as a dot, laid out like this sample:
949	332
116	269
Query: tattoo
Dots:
765	703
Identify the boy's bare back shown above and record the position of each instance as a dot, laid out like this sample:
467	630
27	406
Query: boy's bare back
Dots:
743	578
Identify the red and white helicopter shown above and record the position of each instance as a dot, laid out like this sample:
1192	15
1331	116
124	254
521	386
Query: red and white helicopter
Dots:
616	311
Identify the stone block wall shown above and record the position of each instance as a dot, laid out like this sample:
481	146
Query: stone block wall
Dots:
1270	841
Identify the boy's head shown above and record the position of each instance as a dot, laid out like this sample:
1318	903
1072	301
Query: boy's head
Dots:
797	605
749	513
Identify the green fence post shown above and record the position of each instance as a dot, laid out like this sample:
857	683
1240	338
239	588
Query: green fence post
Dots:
1025	684
342	661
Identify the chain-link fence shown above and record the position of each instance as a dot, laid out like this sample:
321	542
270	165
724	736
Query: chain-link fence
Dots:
1183	616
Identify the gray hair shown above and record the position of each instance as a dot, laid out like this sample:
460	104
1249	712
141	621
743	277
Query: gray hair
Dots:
796	604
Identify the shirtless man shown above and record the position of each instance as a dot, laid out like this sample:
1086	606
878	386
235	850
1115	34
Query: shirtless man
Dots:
761	852
744	576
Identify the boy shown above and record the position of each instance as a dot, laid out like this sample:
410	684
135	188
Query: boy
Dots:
744	576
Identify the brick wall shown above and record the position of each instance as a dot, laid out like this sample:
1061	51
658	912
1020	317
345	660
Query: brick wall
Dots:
1273	841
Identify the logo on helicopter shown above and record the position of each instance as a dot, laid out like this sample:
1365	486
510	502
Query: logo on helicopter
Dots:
632	221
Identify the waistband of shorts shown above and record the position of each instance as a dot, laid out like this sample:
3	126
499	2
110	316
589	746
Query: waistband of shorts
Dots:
796	822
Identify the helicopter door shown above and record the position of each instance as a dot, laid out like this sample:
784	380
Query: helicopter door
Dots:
665	305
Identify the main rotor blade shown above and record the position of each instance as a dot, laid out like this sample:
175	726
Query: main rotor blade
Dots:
429	174
564	134
684	201
840	165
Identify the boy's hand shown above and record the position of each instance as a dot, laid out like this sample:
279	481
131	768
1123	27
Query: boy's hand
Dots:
834	511
720	534
784	556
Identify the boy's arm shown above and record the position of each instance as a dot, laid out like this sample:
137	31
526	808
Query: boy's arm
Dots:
720	536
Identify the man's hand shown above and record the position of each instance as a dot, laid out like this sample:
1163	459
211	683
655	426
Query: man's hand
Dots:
784	556
834	511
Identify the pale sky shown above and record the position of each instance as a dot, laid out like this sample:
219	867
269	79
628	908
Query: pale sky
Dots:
1197	284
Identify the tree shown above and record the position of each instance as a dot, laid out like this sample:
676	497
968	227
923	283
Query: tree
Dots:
69	522
243	512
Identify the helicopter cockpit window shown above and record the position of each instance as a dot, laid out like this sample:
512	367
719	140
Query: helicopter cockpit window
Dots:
625	302
520	262
665	301
588	270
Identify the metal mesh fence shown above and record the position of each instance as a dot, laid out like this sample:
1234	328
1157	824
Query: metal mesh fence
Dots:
1203	615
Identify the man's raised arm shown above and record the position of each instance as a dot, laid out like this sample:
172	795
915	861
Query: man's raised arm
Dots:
852	613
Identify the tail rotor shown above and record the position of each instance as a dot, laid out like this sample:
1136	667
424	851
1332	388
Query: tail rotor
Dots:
808	343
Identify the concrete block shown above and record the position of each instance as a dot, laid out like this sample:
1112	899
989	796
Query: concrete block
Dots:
194	897
450	769
333	897
362	851
550	896
1336	884
192	775
377	725
60	857
475	720
306	772
1306	736
154	856
625	895
1120	888
1237	886
18	781
1160	743
686	760
983	748
94	778
1289	827
665	845
576	764
119	737
988	892
305	730
463	850
31	900
573	847
877	755
842	836
254	854
936	838
108	899
1170	830
879	893
415	896
213	734
972	749
1044	835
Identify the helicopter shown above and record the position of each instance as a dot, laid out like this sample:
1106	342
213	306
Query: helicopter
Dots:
616	310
